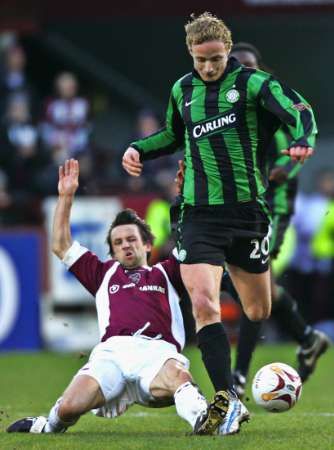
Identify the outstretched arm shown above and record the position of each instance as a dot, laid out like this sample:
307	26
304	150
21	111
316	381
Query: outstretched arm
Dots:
293	111
67	185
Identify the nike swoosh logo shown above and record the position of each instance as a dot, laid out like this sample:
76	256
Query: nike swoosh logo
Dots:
189	103
263	261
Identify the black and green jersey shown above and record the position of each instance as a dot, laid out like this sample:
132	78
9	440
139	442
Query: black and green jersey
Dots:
281	197
225	128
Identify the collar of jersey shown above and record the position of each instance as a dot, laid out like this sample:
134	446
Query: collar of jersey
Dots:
137	269
232	65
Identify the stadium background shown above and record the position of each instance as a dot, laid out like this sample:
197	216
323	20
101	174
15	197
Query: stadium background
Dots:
125	58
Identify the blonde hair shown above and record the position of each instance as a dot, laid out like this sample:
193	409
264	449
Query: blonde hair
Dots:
205	28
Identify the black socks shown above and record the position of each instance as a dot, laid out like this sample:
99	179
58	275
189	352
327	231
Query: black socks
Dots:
215	348
249	332
285	311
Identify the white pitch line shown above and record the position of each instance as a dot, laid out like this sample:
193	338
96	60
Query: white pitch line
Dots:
157	415
322	414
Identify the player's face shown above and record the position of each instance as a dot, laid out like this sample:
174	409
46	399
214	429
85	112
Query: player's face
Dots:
246	58
210	59
128	246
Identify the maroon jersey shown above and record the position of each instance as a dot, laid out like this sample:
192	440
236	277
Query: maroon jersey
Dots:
130	300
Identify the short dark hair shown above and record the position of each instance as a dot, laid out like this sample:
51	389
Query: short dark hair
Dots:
130	217
247	47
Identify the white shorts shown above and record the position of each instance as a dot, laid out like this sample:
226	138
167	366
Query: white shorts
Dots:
124	367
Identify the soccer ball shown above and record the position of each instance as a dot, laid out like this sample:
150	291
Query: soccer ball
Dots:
276	387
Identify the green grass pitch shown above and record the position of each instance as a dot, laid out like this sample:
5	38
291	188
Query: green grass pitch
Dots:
30	383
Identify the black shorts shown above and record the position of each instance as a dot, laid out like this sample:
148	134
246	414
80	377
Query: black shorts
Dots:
279	226
217	234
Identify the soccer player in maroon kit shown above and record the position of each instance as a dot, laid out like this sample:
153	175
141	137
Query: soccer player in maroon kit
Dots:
141	328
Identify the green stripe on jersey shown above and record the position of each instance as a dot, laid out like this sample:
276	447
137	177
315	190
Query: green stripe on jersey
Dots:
235	148
189	184
252	123
215	187
235	152
281	200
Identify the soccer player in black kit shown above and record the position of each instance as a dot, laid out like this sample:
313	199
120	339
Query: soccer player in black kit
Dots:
224	115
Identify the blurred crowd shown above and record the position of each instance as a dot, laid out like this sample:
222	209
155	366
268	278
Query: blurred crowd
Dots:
309	273
38	134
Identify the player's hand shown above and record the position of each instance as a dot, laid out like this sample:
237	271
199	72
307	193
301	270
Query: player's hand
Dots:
299	153
131	162
278	175
179	177
68	177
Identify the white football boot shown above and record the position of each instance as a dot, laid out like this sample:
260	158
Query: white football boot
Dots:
237	413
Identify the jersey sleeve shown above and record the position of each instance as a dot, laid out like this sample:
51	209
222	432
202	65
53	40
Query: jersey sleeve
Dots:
167	140
291	109
86	266
281	141
172	268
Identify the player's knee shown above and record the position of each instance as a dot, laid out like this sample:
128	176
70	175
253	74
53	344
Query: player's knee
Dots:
205	307
177	374
253	314
182	375
69	409
256	313
266	310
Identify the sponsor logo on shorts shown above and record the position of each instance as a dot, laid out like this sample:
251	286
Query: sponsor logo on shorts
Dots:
152	288
114	288
265	260
214	125
232	96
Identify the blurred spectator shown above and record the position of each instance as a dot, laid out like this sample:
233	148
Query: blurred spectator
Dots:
66	129
13	80
22	160
323	241
5	199
158	217
309	276
154	171
147	123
